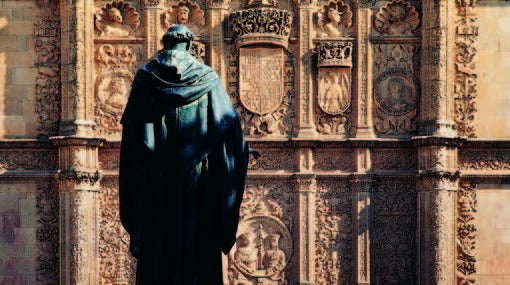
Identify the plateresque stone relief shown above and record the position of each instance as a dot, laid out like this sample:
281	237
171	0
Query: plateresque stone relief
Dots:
397	18
117	19
334	20
184	13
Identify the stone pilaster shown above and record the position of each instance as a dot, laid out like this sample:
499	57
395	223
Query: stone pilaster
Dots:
438	70
304	80
362	215
78	180
151	11
305	190
437	185
365	126
77	64
216	11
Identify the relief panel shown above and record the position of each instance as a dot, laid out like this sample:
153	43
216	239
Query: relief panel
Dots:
264	246
334	20
333	243
397	18
117	19
184	13
393	245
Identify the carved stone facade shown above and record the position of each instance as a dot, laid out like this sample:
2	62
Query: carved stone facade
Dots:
364	112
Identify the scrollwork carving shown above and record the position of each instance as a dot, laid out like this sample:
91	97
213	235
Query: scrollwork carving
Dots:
467	207
334	53
117	19
484	160
28	160
334	20
397	18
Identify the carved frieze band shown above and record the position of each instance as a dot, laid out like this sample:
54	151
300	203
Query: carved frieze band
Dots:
467	207
47	211
465	88
28	160
394	159
47	83
484	159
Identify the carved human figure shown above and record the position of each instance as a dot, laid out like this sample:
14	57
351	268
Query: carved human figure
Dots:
334	20
396	25
116	26
116	100
274	259
397	18
331	28
398	95
335	96
246	254
182	16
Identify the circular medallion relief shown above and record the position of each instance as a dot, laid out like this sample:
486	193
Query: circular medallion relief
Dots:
396	92
263	247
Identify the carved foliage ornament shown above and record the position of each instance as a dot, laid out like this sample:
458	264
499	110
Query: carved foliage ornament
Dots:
397	18
467	207
117	19
334	20
334	53
47	211
263	25
184	13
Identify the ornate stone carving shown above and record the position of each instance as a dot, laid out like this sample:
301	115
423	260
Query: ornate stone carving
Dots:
467	207
334	53
402	56
47	82
333	160
260	79
397	18
262	251
261	26
393	245
52	4
47	211
273	159
109	159
28	160
484	160
394	159
117	19
334	20
184	13
333	243
396	95
277	122
116	265
149	3
465	88
334	90
115	72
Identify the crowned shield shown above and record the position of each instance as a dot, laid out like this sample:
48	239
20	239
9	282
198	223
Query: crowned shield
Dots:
261	79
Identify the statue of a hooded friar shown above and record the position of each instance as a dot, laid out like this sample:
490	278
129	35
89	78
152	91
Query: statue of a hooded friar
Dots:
183	165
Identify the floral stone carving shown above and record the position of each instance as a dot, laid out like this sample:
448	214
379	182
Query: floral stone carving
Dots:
184	13
117	19
397	18
396	94
334	20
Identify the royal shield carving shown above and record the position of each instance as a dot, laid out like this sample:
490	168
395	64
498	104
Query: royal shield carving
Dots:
261	79
334	90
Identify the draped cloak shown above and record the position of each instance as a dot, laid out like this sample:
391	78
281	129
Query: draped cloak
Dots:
183	165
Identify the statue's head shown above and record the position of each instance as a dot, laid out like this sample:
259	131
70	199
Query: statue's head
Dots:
178	34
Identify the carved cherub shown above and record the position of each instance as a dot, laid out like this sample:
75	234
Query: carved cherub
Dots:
397	18
334	20
185	13
117	19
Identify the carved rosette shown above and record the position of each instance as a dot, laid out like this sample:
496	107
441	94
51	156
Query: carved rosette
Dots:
115	72
333	243
47	82
334	20
396	96
467	207
264	246
117	19
397	18
334	60
465	88
261	26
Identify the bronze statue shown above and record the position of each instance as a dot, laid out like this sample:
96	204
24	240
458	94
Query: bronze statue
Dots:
182	168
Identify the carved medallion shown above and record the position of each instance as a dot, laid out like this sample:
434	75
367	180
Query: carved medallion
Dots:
117	19
397	18
184	13
261	79
396	92
261	252
334	90
334	20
